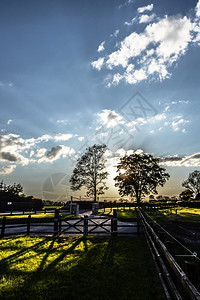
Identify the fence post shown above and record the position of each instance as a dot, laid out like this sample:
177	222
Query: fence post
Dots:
28	224
138	225
56	217
85	228
3	227
114	223
60	224
191	271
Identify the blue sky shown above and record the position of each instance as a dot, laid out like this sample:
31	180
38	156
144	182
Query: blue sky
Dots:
75	73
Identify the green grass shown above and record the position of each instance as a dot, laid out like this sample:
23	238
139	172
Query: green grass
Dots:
52	207
184	214
62	268
121	213
39	216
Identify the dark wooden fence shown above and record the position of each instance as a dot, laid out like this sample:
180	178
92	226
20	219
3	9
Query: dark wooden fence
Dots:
175	281
87	225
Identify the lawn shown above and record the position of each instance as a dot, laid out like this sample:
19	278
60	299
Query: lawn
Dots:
39	216
121	213
64	268
182	214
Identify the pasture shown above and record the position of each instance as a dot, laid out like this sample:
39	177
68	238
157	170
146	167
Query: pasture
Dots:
182	214
35	267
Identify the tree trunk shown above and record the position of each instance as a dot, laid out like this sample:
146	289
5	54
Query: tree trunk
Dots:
137	197
95	194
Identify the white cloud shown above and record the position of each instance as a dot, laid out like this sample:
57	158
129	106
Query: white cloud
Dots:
159	117
15	149
110	118
98	63
63	136
14	158
81	138
56	153
7	169
146	18
145	8
5	84
64	122
198	9
131	47
180	161
101	47
115	34
32	153
150	53
176	124
173	35
126	3
40	152
9	121
131	22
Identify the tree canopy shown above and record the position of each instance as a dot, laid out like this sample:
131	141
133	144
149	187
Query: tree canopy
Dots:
15	189
139	175
193	183
89	172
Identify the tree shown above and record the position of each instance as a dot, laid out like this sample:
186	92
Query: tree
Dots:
139	175
15	189
186	195
89	172
193	183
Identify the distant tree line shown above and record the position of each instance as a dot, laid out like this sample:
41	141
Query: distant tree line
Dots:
13	198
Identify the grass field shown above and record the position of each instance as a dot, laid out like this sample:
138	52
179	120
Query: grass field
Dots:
182	214
62	268
35	216
121	213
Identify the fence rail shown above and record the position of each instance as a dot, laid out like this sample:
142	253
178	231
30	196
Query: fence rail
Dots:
171	272
87	225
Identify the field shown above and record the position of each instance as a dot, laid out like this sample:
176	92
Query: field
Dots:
63	268
39	216
121	213
181	214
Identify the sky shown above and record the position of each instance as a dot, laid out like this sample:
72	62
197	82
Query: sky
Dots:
75	73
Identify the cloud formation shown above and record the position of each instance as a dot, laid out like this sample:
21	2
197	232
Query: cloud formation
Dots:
5	170
145	8
15	149
101	47
152	52
109	118
98	63
56	153
146	18
180	161
167	161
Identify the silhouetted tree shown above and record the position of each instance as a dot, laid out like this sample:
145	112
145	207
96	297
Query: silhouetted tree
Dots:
15	189
89	172
186	195
193	183
139	175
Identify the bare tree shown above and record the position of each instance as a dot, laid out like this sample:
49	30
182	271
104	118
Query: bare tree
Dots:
89	172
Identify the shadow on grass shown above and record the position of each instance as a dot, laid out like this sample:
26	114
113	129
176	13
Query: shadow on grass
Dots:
85	268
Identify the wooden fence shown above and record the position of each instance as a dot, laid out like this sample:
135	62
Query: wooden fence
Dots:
174	279
87	225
